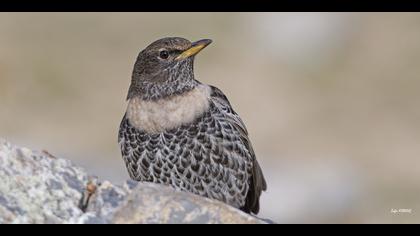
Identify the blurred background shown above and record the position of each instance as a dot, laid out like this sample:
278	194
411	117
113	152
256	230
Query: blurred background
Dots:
331	100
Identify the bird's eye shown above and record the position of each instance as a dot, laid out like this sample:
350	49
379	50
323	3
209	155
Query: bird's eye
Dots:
164	54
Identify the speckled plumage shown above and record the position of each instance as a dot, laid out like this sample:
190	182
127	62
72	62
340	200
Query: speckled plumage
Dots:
210	155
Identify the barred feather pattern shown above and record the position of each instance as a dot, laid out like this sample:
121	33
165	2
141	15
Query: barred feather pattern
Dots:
211	156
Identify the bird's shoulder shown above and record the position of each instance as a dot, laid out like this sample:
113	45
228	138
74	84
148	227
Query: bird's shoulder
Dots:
222	104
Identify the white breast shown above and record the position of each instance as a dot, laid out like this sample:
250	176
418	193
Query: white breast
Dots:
167	113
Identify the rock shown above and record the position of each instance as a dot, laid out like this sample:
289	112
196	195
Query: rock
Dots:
151	203
37	187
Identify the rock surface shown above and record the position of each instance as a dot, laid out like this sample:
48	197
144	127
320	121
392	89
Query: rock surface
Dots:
37	187
153	203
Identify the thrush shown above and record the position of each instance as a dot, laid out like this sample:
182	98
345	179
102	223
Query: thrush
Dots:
183	133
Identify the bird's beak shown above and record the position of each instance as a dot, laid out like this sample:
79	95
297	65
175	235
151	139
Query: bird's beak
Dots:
195	48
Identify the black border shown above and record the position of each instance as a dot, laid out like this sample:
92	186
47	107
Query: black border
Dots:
209	5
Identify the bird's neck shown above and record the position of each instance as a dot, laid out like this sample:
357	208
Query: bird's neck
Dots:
157	91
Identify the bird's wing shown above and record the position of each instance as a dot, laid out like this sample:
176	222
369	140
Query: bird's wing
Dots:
257	182
130	141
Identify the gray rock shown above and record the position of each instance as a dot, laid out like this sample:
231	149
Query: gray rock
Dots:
37	187
151	203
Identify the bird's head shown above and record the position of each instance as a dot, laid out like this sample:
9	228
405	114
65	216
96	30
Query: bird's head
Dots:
165	68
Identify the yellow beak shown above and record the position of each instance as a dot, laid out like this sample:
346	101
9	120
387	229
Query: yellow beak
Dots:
195	48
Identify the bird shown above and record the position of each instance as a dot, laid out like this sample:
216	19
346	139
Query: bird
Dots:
180	132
